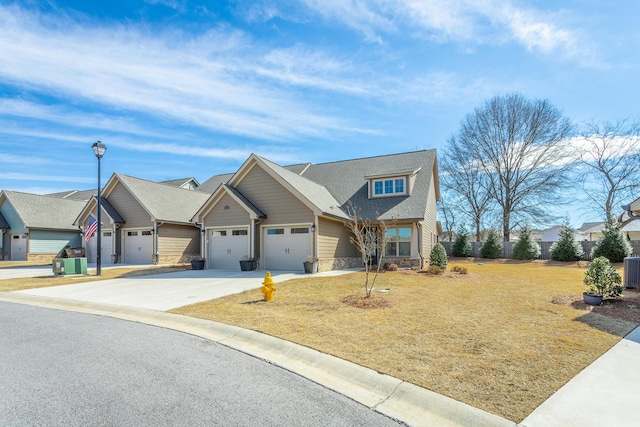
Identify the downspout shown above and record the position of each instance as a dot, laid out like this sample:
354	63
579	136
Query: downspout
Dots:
203	240
155	234
255	239
419	226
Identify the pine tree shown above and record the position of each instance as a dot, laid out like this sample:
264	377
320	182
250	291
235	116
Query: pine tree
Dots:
566	248
492	248
612	245
526	248
462	245
438	257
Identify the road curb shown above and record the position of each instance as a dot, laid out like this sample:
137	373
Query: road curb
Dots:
393	397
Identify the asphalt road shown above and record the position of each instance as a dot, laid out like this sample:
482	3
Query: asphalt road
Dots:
61	368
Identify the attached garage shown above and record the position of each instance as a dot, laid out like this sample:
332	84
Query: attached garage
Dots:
106	245
286	248
138	246
227	246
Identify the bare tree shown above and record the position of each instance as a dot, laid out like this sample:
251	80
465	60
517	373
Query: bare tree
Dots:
611	154
369	238
465	177
521	147
447	211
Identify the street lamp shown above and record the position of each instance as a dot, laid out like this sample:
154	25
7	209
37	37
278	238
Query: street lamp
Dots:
99	148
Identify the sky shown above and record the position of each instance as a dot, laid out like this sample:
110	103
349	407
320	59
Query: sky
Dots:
178	88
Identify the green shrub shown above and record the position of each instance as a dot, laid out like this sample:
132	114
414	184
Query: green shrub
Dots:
602	279
526	248
438	257
492	248
459	269
612	245
385	266
566	248
462	245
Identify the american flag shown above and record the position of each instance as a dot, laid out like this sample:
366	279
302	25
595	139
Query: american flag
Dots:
91	229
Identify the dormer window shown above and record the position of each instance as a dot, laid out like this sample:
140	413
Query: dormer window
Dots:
389	186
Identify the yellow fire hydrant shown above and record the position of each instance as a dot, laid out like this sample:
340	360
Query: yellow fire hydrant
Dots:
267	287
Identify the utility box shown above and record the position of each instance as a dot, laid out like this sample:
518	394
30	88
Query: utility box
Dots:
69	266
632	272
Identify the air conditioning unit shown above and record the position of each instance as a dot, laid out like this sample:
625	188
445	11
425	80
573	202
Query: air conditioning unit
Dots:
632	272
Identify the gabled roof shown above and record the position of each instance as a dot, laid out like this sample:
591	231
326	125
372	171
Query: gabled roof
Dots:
589	225
314	195
105	205
253	211
44	212
211	184
3	223
347	181
163	202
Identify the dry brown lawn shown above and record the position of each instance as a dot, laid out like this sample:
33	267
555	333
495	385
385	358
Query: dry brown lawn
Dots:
9	285
502	338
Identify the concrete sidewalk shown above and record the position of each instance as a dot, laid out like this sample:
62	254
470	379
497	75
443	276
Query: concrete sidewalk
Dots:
606	393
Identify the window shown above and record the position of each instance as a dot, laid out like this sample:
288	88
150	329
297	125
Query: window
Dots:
239	233
275	231
132	233
377	187
398	241
389	187
221	233
147	233
302	230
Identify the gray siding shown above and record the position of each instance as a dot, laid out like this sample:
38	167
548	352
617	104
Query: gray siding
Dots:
429	226
129	208
178	240
12	218
333	240
49	241
280	206
219	216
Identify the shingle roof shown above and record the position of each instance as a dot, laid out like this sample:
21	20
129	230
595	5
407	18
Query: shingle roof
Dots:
589	225
180	182
83	195
211	184
345	180
164	202
111	211
245	201
46	212
315	193
3	223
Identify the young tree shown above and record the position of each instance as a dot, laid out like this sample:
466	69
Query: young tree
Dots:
613	245
462	245
520	146
492	248
463	176
369	239
526	248
566	248
439	257
611	154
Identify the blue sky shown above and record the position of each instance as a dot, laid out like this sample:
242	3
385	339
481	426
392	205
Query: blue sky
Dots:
185	88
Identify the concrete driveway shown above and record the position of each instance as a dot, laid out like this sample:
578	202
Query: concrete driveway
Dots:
170	290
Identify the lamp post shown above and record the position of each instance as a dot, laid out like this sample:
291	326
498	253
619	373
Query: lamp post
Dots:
99	148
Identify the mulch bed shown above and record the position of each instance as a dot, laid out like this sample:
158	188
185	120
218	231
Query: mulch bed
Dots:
626	308
372	302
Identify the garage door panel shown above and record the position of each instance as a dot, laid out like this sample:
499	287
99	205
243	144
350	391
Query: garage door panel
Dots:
138	246
286	248
227	247
106	245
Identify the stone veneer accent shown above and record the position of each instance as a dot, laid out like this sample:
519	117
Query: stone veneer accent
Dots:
42	257
179	259
328	264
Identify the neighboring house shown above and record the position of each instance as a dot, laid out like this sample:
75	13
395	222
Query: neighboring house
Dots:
281	216
146	222
211	184
186	183
590	231
4	227
82	195
553	234
37	227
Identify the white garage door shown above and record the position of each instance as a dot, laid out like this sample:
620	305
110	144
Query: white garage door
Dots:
227	247
105	244
138	246
286	248
18	247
